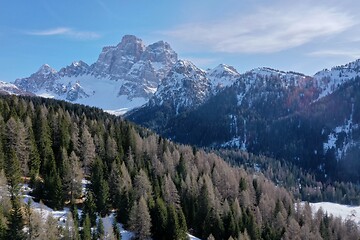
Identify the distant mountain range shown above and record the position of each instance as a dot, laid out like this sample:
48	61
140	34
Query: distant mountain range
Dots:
124	76
310	120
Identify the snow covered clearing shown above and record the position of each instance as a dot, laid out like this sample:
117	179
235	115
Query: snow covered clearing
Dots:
338	210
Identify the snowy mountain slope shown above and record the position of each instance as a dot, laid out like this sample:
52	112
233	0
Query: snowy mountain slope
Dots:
8	88
330	80
267	111
185	86
222	76
124	76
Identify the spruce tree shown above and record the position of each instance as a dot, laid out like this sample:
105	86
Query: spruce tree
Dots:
13	174
86	232
99	187
100	231
90	208
160	217
16	224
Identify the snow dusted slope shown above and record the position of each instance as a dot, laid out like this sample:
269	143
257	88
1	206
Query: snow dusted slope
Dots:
186	86
125	76
8	88
222	76
330	80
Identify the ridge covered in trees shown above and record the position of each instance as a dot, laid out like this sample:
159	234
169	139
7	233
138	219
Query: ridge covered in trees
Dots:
158	189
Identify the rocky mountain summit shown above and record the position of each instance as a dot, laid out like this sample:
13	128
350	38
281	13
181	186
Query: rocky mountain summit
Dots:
126	75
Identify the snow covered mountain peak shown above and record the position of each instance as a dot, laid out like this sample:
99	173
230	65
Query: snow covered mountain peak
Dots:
223	68
46	70
117	60
127	73
222	76
76	68
160	52
185	86
266	71
187	68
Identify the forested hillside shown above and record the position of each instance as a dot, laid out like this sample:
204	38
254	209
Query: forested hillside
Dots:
158	189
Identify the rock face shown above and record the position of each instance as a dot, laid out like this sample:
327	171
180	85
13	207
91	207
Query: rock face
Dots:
125	75
186	86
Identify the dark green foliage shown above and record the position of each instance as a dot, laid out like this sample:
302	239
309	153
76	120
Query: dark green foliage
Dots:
15	224
100	231
176	227
159	215
3	226
13	174
53	186
99	187
90	208
158	188
86	232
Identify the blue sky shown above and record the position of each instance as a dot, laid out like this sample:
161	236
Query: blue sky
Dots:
303	36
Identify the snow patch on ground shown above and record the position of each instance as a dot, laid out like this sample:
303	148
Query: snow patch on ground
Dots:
61	215
338	210
348	141
193	237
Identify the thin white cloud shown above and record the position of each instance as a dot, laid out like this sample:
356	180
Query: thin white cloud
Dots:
265	30
63	31
353	54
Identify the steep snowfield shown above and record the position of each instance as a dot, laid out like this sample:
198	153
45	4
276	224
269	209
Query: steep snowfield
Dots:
102	93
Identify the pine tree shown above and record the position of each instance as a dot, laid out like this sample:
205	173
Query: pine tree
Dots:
73	176
140	220
34	157
53	185
160	217
100	231
86	232
176	227
13	174
99	186
16	224
87	149
90	208
142	186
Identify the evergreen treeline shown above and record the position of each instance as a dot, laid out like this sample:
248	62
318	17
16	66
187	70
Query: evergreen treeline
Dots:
302	184
158	189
